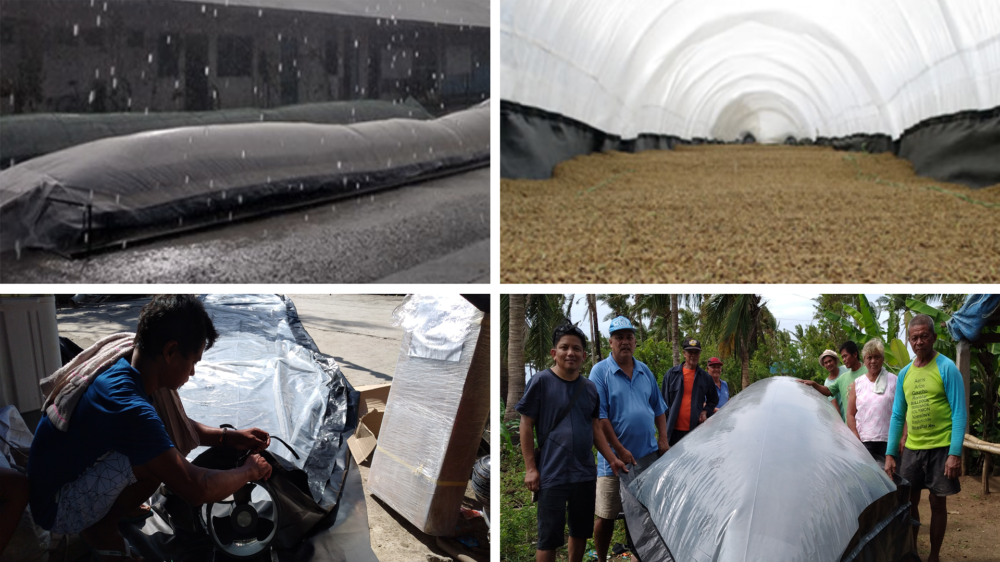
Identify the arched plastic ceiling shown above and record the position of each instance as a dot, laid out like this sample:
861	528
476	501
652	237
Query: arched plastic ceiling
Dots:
772	68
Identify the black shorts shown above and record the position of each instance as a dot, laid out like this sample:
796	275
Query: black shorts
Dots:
553	503
925	469
876	449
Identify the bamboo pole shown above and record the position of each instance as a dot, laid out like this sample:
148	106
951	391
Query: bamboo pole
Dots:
987	469
980	445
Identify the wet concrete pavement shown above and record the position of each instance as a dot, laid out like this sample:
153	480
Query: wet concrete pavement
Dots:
442	223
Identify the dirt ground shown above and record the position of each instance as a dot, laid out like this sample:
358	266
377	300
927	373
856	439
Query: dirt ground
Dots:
973	533
753	213
356	330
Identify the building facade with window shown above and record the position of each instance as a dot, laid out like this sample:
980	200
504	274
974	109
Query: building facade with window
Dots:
94	56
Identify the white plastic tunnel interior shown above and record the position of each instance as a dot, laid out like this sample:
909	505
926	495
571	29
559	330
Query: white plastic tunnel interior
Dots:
773	69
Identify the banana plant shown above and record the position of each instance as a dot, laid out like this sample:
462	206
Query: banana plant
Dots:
896	355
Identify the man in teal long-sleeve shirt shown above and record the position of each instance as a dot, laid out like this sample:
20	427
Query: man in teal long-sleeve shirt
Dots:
930	397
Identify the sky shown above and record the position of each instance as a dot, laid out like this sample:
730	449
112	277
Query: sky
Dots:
789	309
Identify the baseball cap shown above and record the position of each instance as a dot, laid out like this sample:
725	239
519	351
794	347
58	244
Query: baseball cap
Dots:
714	361
692	344
620	323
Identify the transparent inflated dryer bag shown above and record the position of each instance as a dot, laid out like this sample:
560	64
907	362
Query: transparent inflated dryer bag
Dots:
774	475
165	181
436	412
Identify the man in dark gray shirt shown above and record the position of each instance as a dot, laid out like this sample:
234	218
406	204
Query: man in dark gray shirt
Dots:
564	474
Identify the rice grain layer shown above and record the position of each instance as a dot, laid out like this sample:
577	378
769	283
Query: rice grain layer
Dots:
746	214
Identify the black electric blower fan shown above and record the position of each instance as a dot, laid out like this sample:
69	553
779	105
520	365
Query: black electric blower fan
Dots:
244	524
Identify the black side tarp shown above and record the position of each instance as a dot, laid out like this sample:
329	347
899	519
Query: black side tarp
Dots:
960	148
775	475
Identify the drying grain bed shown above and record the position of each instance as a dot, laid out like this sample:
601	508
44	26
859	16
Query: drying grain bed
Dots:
753	213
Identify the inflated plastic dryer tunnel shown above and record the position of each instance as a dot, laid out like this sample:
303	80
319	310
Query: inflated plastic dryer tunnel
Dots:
153	183
920	79
743	486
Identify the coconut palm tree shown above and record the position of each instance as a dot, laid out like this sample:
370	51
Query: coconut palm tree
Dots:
515	354
595	327
739	321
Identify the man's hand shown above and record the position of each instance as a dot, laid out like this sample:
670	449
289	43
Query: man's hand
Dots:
625	456
616	465
702	417
258	468
952	467
662	445
254	439
532	479
890	465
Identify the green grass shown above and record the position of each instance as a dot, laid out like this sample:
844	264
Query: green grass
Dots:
519	519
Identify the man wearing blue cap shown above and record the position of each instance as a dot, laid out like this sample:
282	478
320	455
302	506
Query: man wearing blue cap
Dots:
631	409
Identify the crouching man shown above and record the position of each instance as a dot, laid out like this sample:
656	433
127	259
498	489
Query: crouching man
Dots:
565	409
97	456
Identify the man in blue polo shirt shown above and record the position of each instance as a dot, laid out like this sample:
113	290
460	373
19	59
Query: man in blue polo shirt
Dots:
632	411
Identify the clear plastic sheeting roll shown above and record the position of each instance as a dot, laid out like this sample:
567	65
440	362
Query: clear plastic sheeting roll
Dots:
455	12
257	375
167	180
434	416
771	68
775	475
438	325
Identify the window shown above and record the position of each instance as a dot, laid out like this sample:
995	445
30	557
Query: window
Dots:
168	55
331	60
64	36
6	33
235	55
136	38
93	36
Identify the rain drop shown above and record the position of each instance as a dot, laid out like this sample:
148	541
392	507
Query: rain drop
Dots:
338	164
307	218
11	161
187	179
268	179
373	198
239	199
98	21
105	6
260	13
279	37
114	83
280	67
355	43
118	198
206	71
76	29
149	58
230	216
243	154
333	208
168	39
17	248
129	103
12	99
322	140
177	84
145	111
180	221
123	244
91	97
203	8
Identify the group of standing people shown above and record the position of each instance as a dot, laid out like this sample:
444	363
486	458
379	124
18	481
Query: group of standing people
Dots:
622	411
915	420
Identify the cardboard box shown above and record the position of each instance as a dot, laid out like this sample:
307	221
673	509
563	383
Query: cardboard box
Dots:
371	408
432	426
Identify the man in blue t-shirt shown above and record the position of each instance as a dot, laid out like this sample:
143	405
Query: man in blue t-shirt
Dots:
116	451
563	406
632	411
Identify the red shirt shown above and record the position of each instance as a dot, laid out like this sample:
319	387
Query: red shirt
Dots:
684	416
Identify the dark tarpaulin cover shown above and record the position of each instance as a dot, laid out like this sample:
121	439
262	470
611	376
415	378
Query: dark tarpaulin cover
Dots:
775	475
976	312
960	148
263	373
23	137
161	181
